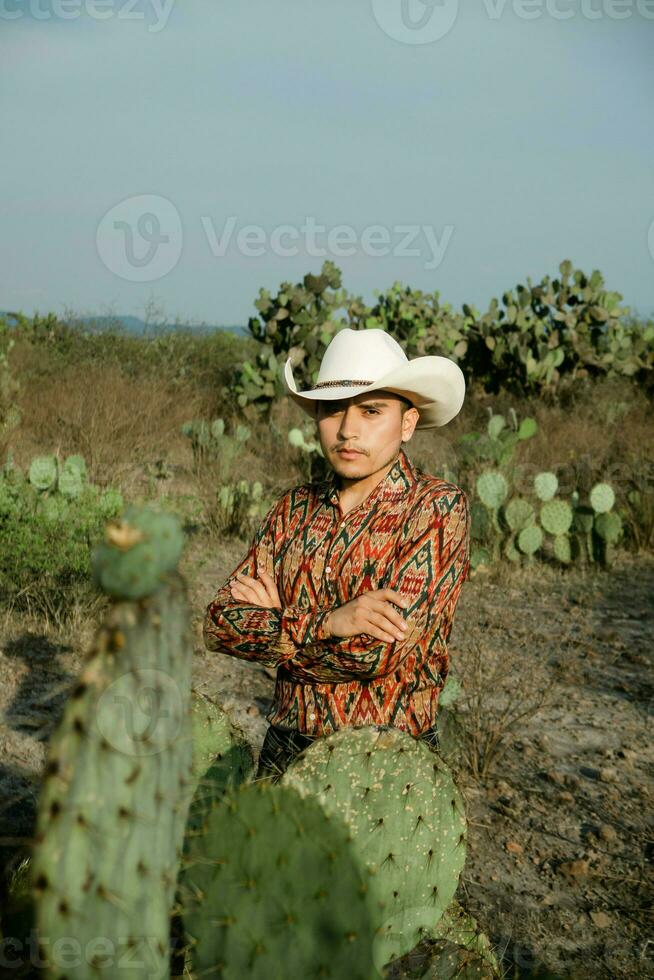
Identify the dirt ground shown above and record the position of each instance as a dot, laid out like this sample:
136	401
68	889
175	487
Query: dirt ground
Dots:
561	834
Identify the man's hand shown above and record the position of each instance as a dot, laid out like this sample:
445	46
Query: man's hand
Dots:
255	592
371	612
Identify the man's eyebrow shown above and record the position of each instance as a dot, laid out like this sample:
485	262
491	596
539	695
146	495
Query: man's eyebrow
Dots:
367	404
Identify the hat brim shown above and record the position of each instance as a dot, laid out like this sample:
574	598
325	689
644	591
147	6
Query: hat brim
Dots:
434	384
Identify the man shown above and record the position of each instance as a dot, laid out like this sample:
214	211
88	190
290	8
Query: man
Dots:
350	584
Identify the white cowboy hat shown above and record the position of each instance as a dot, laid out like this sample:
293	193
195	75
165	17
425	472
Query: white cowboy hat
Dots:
367	360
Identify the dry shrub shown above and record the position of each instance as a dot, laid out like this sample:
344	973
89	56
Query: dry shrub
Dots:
501	690
114	421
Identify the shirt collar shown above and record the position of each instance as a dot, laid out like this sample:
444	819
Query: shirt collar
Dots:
401	476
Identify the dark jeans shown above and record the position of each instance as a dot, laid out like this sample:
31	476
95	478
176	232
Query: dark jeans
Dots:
281	745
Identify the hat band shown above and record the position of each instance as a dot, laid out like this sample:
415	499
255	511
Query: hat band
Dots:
338	384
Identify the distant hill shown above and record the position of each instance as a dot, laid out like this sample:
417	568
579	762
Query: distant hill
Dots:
134	325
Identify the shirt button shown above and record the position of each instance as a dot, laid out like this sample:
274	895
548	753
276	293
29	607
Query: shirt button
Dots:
312	716
329	568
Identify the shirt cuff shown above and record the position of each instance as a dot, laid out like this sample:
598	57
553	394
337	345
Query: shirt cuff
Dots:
303	627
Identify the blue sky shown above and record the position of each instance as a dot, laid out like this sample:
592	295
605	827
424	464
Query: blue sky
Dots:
521	136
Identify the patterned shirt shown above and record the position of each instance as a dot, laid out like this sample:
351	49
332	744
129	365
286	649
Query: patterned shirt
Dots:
411	534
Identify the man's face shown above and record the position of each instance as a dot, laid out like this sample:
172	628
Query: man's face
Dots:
369	422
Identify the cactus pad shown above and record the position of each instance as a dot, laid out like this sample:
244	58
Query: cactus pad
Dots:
518	513
528	428
273	880
562	550
530	539
495	425
556	516
222	758
407	821
72	477
602	498
545	485
492	488
479	556
110	502
43	472
608	526
217	428
296	438
70	483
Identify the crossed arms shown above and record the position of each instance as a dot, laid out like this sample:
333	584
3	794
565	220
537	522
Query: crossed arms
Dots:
429	570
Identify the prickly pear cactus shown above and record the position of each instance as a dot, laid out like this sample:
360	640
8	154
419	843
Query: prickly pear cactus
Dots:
114	798
222	761
452	961
72	477
407	821
271	888
222	757
608	528
460	928
449	728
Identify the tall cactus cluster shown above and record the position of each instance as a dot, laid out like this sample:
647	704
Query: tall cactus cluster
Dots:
157	853
531	341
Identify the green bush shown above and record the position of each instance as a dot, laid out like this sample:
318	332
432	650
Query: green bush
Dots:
49	522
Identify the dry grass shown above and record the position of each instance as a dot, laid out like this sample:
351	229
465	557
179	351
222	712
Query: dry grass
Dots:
115	422
118	422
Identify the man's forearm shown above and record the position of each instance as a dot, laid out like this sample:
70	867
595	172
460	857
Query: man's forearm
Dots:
268	636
